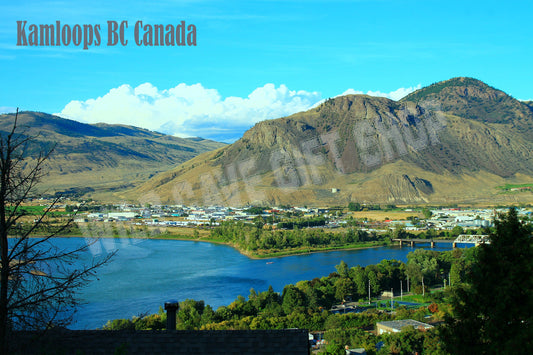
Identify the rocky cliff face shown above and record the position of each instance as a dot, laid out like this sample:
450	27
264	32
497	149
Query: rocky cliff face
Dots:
473	99
432	146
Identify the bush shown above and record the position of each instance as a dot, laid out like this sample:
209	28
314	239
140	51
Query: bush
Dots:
119	324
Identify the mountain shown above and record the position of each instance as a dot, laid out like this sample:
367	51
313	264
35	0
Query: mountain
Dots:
100	158
471	98
455	141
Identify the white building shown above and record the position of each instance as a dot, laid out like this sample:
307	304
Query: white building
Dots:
117	215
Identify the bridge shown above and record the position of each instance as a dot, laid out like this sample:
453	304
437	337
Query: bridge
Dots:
473	239
461	239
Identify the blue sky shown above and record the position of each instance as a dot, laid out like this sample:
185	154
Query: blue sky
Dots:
257	60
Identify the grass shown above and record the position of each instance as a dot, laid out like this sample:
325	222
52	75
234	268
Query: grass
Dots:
263	254
30	210
384	304
508	187
185	231
33	210
382	215
422	300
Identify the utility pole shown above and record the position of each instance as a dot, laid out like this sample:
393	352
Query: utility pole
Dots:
401	290
392	299
423	288
369	292
407	283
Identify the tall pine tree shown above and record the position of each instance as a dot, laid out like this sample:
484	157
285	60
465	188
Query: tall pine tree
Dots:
493	310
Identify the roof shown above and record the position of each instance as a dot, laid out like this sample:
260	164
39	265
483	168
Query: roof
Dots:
398	325
258	342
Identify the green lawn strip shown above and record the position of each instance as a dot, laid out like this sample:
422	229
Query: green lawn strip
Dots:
422	300
264	254
508	187
29	210
38	211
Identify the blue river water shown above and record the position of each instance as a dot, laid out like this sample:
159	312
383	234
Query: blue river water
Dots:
146	272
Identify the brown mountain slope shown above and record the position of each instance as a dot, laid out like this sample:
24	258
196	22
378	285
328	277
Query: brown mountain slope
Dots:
101	158
454	141
473	99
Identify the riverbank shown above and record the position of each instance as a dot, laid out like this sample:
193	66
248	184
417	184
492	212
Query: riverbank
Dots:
267	254
256	255
304	251
146	273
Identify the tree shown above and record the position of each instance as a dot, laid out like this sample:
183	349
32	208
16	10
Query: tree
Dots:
37	279
293	299
422	265
343	287
361	281
354	206
456	231
373	280
493	311
342	269
408	341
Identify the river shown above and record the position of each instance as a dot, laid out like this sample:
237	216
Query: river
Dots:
145	273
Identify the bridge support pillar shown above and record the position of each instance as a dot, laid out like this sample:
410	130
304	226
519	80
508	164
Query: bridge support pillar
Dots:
454	245
432	244
401	243
412	243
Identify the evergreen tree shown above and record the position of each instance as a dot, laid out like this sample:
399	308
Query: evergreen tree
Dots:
493	312
342	269
293	299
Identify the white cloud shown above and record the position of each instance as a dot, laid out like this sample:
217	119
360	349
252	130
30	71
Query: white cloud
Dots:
190	110
7	109
393	95
193	110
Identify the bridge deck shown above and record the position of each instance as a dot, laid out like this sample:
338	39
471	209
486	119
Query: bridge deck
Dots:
423	240
461	239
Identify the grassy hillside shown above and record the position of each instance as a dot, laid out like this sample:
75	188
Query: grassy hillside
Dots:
101	159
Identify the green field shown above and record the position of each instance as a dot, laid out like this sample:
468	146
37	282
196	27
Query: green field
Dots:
508	187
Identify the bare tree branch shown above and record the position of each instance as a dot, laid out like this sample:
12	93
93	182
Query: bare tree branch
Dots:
38	280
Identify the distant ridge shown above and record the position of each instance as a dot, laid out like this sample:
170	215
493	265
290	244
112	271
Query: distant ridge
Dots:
454	141
99	159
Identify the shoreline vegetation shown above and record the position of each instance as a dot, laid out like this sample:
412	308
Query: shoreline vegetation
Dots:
263	254
266	254
334	305
341	308
260	239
